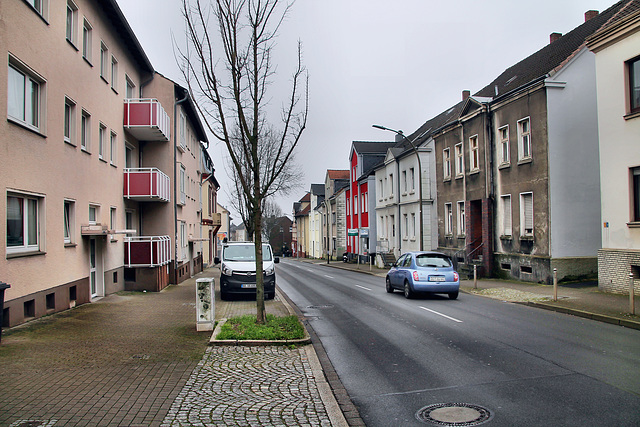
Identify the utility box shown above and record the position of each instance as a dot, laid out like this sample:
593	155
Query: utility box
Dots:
205	304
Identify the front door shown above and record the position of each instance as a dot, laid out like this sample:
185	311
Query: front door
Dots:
95	269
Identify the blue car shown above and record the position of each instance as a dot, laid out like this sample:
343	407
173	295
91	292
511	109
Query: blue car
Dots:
430	272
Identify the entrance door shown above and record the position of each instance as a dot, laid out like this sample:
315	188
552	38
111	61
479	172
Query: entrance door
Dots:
92	268
95	269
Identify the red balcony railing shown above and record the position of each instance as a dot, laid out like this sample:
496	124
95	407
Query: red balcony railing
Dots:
147	251
146	120
146	184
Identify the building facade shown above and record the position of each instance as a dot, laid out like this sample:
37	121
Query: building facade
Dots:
88	161
617	58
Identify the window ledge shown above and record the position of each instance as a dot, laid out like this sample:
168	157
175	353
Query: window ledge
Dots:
73	45
526	238
447	179
84	150
25	126
474	172
87	61
102	159
460	176
70	245
24	254
633	224
461	236
632	115
104	79
449	236
70	143
113	164
506	237
114	90
525	161
504	165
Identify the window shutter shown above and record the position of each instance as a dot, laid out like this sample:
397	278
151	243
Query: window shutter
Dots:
506	202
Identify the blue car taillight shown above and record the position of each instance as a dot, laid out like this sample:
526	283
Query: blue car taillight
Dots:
415	276
455	276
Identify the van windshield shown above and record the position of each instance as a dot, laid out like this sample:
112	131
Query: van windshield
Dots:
246	253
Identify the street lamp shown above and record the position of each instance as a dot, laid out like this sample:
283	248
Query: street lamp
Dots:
415	150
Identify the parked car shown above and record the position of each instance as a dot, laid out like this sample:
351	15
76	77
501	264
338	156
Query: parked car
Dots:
238	269
430	272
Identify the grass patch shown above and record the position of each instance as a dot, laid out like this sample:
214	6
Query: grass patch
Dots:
276	328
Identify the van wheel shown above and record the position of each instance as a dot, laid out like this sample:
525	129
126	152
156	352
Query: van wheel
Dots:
223	296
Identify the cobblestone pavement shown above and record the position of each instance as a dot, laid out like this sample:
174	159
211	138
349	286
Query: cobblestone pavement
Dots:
135	359
250	386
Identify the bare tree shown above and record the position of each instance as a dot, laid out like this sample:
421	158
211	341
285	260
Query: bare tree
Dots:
271	213
228	69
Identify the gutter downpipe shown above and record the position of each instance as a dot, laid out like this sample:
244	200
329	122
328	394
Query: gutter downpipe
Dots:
175	183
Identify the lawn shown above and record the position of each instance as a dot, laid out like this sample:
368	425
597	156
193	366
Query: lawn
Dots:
276	328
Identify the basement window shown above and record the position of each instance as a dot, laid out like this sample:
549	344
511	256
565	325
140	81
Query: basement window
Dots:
526	269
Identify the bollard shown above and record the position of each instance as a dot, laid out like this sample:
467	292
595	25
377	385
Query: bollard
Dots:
475	276
555	284
205	304
632	303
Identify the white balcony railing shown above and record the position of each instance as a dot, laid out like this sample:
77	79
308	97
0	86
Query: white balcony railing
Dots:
147	251
146	184
146	120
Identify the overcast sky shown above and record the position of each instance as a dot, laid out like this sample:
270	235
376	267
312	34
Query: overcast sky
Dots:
392	62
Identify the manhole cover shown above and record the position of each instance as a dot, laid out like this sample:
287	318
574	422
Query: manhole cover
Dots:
454	414
320	306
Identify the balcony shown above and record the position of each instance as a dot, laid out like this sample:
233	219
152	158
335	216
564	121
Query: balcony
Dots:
147	251
146	184
215	220
146	120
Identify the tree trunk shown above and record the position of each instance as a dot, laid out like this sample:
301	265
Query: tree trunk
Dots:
261	314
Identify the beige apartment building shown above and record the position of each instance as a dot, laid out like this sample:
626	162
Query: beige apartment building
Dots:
102	161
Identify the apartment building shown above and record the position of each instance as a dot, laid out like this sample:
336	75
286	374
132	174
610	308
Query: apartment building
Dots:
102	161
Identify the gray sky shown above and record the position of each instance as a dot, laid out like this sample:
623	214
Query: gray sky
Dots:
396	63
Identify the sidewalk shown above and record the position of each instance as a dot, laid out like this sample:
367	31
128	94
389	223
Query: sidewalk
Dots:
135	359
584	300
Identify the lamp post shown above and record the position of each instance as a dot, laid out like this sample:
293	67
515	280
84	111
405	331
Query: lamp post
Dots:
415	150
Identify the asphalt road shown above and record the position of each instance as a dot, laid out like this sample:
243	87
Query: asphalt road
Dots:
525	366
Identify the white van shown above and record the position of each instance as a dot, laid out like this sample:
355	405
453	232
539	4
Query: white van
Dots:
238	269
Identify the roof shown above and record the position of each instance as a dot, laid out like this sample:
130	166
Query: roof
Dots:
430	126
626	11
338	174
304	211
317	189
550	58
372	147
120	24
306	197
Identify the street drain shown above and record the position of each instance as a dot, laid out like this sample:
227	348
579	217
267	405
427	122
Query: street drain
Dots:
320	306
454	414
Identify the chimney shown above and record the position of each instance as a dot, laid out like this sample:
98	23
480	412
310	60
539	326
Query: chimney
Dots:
466	94
554	36
589	14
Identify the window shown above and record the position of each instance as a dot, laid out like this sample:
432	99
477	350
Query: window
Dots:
506	215
128	221
85	130
448	219
635	196
526	214
69	220
381	189
412	179
183	239
446	163
128	156
182	131
72	22
114	73
87	31
459	160
93	214
183	173
413	225
23	223
404	181
355	204
503	134
112	149
474	154
40	6
392	223
24	96
69	120
391	184
112	218
634	85
524	139
102	139
461	219
130	87
405	217
104	61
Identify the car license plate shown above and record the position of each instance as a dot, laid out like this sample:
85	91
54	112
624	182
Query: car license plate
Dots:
436	278
248	285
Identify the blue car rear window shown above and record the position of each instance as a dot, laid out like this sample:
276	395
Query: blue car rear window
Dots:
432	261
